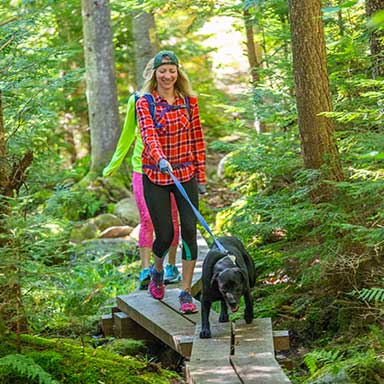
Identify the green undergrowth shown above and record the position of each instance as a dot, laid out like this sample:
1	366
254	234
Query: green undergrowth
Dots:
319	266
359	360
64	361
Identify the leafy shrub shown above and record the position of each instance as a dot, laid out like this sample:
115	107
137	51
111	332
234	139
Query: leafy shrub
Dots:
69	362
361	367
73	205
370	294
17	366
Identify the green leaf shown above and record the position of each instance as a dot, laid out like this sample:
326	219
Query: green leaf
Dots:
346	4
377	20
27	368
372	155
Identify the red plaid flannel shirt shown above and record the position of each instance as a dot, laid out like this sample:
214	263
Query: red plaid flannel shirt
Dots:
180	141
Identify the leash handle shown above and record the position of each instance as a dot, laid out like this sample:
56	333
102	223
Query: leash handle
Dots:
195	211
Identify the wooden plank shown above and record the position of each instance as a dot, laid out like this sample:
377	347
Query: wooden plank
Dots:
219	371
185	344
262	368
254	355
219	346
107	325
121	325
281	341
125	327
253	338
157	318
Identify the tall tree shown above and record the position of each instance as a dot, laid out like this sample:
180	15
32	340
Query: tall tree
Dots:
376	38
101	81
254	54
3	157
312	91
145	42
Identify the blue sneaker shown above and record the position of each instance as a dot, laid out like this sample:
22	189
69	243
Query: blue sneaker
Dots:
172	274
144	279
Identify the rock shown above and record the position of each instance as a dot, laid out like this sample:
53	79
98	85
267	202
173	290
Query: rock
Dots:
221	167
134	235
107	251
117	231
127	210
329	378
107	220
83	231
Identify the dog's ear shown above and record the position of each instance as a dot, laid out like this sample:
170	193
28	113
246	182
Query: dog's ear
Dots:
214	277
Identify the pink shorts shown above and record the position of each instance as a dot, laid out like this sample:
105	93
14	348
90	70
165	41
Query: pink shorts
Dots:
146	227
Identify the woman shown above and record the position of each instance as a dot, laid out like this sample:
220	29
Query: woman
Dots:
173	143
130	134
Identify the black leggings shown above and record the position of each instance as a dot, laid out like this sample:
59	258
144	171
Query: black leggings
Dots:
157	198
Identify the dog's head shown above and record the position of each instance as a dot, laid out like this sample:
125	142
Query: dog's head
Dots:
232	283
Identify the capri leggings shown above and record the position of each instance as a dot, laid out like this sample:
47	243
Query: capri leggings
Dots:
158	199
146	226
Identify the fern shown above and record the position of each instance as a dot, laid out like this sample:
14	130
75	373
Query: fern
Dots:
26	367
370	294
318	358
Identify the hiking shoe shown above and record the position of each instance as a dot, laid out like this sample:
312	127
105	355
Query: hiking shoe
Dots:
156	286
172	274
186	303
144	278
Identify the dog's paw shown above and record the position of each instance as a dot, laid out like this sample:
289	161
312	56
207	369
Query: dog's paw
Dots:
248	316
223	318
205	333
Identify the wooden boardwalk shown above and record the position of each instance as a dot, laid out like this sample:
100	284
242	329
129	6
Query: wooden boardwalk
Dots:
236	353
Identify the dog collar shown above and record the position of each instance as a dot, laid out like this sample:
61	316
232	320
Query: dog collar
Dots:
231	257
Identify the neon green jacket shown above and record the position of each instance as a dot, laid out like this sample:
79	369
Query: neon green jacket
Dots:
129	133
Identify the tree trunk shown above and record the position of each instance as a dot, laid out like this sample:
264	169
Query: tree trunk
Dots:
145	42
376	39
312	90
254	54
3	154
340	20
101	91
253	59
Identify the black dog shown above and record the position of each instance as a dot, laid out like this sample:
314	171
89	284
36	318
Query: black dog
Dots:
226	277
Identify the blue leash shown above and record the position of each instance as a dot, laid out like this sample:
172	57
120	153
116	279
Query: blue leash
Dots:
196	212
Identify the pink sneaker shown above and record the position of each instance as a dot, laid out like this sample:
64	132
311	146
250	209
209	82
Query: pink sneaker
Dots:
156	286
186	303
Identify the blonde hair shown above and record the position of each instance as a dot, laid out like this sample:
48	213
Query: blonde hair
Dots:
183	85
